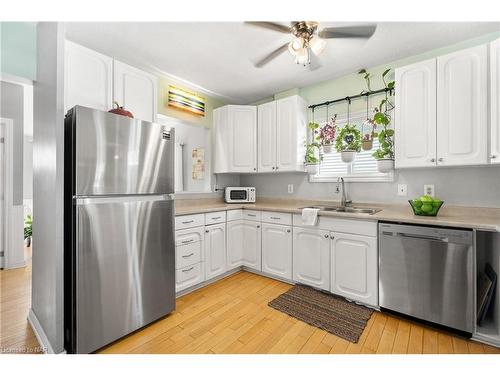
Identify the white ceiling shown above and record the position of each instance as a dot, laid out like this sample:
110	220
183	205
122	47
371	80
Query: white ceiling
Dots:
219	56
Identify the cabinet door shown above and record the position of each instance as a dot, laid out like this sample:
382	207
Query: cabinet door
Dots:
252	245
215	250
415	118
495	100
136	91
242	138
277	250
288	122
266	126
311	257
354	267
462	107
234	237
88	78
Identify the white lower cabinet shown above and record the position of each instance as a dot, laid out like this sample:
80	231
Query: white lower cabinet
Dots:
189	276
354	267
189	249
234	236
311	257
252	245
215	250
277	250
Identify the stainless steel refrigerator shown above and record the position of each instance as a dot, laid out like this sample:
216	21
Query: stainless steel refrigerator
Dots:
119	258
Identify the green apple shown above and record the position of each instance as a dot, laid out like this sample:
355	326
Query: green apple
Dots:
427	208
417	203
426	199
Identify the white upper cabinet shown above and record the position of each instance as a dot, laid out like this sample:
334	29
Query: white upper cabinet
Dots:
277	250
88	78
311	257
266	124
291	121
215	250
415	115
462	103
495	101
235	133
136	91
354	267
252	245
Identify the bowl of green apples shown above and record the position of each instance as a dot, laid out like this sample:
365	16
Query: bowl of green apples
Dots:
425	205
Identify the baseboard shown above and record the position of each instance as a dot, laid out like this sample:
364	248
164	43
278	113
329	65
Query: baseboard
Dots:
40	333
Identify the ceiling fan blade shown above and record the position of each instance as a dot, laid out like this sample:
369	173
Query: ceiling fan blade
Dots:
271	26
278	51
348	32
315	62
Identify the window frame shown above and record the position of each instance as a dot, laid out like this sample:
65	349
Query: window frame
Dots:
349	176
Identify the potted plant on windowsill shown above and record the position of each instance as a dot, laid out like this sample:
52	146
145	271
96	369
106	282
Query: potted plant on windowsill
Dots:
313	155
348	143
28	230
327	135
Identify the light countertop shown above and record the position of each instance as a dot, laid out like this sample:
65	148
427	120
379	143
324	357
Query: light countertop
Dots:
480	218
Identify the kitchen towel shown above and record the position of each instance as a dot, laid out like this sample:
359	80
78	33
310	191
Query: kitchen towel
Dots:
310	216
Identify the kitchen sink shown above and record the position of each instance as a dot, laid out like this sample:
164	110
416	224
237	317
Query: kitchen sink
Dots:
356	210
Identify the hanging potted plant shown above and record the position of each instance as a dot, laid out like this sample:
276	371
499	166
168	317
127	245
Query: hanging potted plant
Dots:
313	155
348	143
382	117
327	135
367	142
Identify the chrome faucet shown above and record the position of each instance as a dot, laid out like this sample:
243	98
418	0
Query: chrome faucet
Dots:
343	202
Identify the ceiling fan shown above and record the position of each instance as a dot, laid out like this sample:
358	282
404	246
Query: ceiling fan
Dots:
307	38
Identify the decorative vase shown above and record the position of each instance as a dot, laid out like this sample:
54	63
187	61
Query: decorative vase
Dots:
348	156
311	168
367	145
327	149
385	165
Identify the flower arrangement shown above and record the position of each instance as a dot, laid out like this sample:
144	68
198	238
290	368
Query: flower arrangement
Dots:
327	134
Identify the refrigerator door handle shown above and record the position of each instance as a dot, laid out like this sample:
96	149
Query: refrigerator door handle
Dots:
82	200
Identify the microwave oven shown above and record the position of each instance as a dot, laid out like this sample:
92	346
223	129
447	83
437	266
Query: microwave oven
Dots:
239	195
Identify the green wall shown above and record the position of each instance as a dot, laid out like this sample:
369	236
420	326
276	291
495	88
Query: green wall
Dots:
210	103
18	49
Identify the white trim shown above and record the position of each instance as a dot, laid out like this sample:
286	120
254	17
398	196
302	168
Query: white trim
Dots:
40	335
13	245
361	177
9	78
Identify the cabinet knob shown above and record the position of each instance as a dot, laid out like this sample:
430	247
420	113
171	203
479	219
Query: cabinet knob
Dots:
326	235
493	156
277	168
288	230
258	226
332	237
255	169
433	160
440	159
207	231
273	168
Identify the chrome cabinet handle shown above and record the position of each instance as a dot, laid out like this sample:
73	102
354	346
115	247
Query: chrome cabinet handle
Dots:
188	222
326	236
251	215
189	269
217	218
188	241
187	256
275	218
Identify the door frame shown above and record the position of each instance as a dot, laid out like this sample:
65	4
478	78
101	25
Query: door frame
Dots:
13	252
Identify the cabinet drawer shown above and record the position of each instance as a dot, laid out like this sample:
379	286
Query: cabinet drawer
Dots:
187	236
233	215
276	218
187	255
215	217
251	215
189	221
189	276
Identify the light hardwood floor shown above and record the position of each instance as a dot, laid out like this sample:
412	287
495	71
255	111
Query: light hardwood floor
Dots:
232	316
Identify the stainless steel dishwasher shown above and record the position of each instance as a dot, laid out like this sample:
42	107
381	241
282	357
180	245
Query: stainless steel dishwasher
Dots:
427	273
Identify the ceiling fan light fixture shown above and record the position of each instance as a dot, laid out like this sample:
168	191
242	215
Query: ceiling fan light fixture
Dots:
303	57
317	44
295	46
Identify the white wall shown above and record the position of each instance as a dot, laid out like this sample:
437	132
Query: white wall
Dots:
48	148
470	186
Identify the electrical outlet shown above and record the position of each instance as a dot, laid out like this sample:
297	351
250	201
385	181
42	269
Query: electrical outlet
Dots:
290	188
403	190
429	190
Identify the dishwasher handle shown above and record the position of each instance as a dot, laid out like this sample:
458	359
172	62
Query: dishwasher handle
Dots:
422	237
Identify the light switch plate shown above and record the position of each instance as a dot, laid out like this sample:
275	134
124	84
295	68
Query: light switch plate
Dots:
403	190
290	188
429	190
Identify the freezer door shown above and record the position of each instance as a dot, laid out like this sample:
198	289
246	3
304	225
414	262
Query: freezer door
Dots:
125	266
118	155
